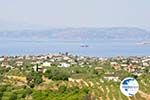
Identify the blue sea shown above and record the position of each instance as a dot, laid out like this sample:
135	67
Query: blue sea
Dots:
102	48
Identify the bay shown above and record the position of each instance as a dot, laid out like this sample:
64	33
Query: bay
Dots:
101	48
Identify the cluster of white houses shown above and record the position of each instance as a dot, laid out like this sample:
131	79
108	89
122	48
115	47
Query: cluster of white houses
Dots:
42	62
131	64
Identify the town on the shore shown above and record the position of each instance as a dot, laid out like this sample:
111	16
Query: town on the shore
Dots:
133	64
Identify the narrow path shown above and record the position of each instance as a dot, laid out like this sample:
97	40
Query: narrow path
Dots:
107	95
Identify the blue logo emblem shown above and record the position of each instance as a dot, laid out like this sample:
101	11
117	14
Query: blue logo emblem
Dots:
129	86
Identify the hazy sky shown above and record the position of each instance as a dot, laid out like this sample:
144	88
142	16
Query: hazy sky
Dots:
77	13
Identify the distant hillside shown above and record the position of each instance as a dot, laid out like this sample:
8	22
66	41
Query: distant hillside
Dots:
78	34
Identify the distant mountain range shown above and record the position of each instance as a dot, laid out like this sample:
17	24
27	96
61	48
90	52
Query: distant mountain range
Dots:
77	34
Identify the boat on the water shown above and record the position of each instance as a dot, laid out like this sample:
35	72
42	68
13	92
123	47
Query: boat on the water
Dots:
143	43
84	46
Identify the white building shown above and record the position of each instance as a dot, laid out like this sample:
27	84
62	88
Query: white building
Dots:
46	64
111	78
64	65
113	63
19	63
2	59
145	64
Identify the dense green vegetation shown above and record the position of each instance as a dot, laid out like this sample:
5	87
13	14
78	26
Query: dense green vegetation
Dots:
71	83
34	78
56	73
8	92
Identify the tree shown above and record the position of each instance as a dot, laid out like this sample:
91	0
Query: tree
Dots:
34	78
57	74
13	97
62	89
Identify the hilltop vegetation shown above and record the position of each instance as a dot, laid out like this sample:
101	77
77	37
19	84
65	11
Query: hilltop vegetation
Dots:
44	78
